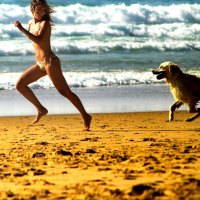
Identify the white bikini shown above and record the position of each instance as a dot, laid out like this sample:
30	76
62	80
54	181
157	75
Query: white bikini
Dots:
34	28
46	61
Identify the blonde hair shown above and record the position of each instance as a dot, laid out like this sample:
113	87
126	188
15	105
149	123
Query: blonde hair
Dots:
48	9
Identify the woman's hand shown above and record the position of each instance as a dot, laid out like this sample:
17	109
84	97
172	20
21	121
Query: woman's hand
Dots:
18	25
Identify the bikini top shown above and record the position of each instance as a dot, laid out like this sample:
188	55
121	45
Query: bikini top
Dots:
34	28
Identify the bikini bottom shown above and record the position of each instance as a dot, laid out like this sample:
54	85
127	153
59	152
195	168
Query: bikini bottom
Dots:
46	61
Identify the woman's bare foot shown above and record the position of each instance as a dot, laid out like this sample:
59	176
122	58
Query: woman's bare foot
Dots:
87	122
40	114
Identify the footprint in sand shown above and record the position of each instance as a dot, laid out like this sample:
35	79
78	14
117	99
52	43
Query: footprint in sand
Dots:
42	143
39	172
38	155
64	153
151	191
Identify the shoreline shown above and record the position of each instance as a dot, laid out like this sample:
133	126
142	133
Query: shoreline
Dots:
113	99
124	156
159	116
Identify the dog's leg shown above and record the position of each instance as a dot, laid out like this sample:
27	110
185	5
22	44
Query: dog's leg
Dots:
195	116
173	107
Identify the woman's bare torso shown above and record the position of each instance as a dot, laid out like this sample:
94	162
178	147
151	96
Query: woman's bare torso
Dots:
43	46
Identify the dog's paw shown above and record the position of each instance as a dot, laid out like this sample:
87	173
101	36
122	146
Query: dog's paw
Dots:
189	119
170	119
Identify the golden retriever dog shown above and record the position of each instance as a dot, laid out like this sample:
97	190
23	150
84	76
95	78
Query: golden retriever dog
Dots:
185	88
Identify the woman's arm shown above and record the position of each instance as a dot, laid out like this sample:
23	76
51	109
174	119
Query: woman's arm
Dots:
35	38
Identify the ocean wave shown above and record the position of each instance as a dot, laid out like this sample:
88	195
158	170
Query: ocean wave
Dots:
175	30
10	13
95	45
131	45
109	14
81	29
89	79
128	14
84	79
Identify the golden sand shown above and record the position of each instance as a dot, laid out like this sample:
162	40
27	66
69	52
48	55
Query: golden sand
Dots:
124	156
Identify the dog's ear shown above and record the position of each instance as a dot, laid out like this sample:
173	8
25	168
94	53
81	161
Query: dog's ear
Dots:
174	70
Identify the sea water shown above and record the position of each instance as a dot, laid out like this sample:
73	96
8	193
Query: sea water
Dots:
106	48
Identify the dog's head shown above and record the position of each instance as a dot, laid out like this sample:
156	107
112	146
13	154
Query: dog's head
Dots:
168	70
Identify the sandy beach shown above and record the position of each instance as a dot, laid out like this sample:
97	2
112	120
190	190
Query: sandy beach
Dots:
107	50
124	156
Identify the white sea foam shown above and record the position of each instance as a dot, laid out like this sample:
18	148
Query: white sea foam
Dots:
124	14
97	45
10	13
84	79
85	29
89	79
115	14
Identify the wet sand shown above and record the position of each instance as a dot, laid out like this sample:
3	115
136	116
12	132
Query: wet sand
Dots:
113	99
124	156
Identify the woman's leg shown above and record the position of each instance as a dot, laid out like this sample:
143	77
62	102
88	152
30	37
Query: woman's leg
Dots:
55	73
31	75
